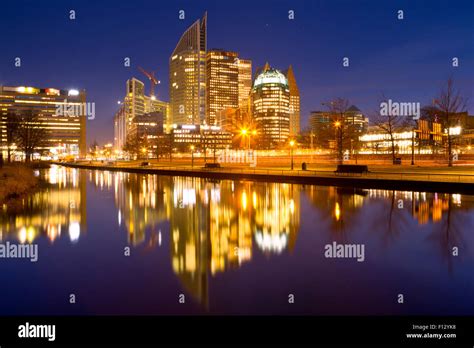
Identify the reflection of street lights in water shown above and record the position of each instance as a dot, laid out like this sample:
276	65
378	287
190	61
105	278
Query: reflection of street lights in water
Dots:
337	211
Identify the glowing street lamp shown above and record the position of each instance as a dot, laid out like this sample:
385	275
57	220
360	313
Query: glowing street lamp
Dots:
245	133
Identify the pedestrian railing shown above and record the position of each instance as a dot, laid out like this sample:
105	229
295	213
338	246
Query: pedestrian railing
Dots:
435	177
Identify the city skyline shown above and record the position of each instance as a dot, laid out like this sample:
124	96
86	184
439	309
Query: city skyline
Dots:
375	66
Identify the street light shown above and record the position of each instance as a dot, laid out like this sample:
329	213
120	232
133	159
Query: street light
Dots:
338	126
292	143
192	156
245	133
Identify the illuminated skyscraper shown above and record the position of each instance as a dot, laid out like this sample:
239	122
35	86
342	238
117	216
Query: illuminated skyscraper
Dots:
271	107
188	75
222	84
245	81
134	103
294	102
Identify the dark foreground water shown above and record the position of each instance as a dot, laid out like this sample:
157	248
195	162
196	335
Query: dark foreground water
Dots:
234	247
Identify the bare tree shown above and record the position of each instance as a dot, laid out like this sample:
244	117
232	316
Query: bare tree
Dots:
11	125
346	134
31	133
164	145
135	146
449	103
390	124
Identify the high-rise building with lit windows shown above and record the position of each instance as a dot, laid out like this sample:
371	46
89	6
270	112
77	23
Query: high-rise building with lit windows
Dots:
294	102
62	114
245	81
188	75
127	119
134	103
270	101
222	84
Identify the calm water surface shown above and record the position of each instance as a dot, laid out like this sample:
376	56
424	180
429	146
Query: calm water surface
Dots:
233	247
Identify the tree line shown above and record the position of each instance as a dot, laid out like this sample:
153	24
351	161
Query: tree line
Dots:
446	108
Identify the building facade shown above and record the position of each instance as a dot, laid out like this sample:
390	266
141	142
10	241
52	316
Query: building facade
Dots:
120	127
294	102
204	137
134	105
322	125
61	114
187	75
270	100
245	81
222	84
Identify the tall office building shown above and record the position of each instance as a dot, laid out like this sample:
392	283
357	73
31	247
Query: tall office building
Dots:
135	104
222	84
271	107
61	113
120	127
153	104
245	81
188	75
294	102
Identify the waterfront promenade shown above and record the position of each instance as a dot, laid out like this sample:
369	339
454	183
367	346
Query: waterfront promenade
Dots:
428	178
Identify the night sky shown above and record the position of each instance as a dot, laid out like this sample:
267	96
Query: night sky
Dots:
407	60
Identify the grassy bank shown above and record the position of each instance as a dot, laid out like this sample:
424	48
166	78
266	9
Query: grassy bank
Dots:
15	181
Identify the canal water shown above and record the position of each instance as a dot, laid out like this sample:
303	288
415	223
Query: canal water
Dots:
118	243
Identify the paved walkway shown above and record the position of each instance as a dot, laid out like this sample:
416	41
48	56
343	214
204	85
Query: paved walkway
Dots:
393	173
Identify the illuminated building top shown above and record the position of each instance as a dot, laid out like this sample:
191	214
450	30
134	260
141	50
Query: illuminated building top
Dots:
271	76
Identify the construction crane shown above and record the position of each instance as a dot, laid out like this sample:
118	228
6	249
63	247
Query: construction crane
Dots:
153	81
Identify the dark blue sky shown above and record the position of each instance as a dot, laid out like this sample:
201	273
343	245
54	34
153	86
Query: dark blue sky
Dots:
407	60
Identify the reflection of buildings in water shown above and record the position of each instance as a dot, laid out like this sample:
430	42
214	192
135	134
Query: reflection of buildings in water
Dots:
277	216
189	225
51	212
212	223
141	203
340	203
425	207
212	226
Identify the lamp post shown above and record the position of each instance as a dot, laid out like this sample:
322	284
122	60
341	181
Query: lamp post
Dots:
292	143
192	156
244	134
337	124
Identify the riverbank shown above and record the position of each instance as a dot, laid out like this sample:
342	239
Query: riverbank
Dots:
16	180
459	180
